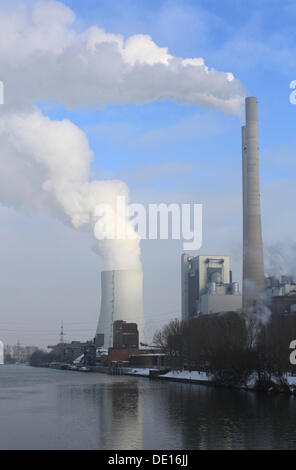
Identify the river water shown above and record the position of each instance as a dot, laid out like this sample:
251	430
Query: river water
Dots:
53	409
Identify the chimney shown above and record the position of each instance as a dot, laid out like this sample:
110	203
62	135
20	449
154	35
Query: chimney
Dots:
253	272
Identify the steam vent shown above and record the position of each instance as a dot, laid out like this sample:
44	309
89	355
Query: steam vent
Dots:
253	271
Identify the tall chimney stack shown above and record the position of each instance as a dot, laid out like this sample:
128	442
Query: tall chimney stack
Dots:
253	271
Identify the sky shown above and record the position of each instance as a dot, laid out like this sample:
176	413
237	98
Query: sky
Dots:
164	146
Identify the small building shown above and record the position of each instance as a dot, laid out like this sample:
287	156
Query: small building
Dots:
153	360
126	351
125	335
125	342
69	352
120	355
154	357
89	352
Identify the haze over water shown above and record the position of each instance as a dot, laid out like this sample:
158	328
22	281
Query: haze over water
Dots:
52	409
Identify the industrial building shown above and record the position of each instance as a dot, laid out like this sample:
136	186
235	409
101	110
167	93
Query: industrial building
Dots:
126	350
68	353
125	335
155	359
280	294
207	286
286	285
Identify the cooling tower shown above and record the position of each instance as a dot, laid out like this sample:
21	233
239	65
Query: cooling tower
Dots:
253	271
121	299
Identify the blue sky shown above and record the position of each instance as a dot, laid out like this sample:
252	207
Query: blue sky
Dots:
253	40
170	152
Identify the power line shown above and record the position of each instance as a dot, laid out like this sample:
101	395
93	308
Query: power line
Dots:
20	333
151	314
43	323
45	331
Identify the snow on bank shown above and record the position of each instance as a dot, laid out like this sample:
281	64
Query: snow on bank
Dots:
176	375
187	375
199	377
291	380
137	371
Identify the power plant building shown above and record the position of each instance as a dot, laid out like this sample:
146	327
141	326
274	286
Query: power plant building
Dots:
280	294
286	285
207	286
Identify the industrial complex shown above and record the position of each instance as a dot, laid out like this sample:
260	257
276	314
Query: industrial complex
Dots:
206	281
207	286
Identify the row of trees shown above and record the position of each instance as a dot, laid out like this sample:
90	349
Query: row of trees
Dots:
231	346
42	358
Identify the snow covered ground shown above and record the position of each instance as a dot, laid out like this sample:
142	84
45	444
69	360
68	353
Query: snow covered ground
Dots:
291	380
139	371
186	374
176	375
203	377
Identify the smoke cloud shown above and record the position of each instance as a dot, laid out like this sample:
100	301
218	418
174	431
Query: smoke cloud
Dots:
280	259
43	58
45	164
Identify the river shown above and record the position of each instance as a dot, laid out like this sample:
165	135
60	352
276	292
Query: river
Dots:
54	409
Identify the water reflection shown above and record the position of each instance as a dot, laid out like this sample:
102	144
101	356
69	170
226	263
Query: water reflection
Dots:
226	419
48	409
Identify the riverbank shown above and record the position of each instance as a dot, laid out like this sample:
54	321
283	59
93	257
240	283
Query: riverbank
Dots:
184	376
287	385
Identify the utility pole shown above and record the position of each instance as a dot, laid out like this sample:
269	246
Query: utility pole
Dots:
18	351
62	333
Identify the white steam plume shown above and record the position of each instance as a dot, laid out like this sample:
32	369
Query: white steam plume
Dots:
43	58
280	259
45	164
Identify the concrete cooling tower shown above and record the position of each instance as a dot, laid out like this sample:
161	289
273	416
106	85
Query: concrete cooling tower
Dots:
121	299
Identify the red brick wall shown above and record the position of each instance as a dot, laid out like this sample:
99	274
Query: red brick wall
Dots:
116	355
